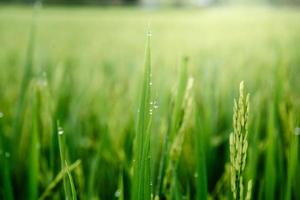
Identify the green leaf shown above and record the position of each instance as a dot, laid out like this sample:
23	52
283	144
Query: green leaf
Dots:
141	177
73	190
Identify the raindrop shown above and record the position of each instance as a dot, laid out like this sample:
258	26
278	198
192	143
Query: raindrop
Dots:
1	114
150	83
60	131
117	194
149	34
155	105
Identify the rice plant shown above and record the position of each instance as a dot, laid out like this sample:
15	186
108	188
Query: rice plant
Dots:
238	146
166	136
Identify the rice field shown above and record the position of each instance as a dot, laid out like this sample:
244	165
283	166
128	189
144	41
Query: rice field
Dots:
131	103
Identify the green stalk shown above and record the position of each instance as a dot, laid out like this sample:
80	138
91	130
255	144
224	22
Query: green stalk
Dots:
292	166
141	165
270	167
121	187
201	180
33	161
61	145
73	190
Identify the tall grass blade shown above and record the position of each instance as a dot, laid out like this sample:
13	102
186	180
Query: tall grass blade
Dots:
61	144
120	191
201	180
141	165
33	161
292	165
270	166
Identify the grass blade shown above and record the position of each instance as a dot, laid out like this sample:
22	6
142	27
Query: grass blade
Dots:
141	176
57	180
120	191
33	161
270	167
201	180
73	190
61	145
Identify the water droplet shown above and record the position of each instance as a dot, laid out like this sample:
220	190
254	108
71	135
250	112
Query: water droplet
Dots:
117	194
155	104
151	184
150	111
149	34
7	154
150	83
60	131
297	131
1	114
151	102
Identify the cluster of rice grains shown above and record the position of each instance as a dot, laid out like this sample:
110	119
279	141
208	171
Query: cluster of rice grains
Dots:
238	146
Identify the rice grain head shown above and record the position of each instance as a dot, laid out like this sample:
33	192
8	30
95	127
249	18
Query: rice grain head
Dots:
239	144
